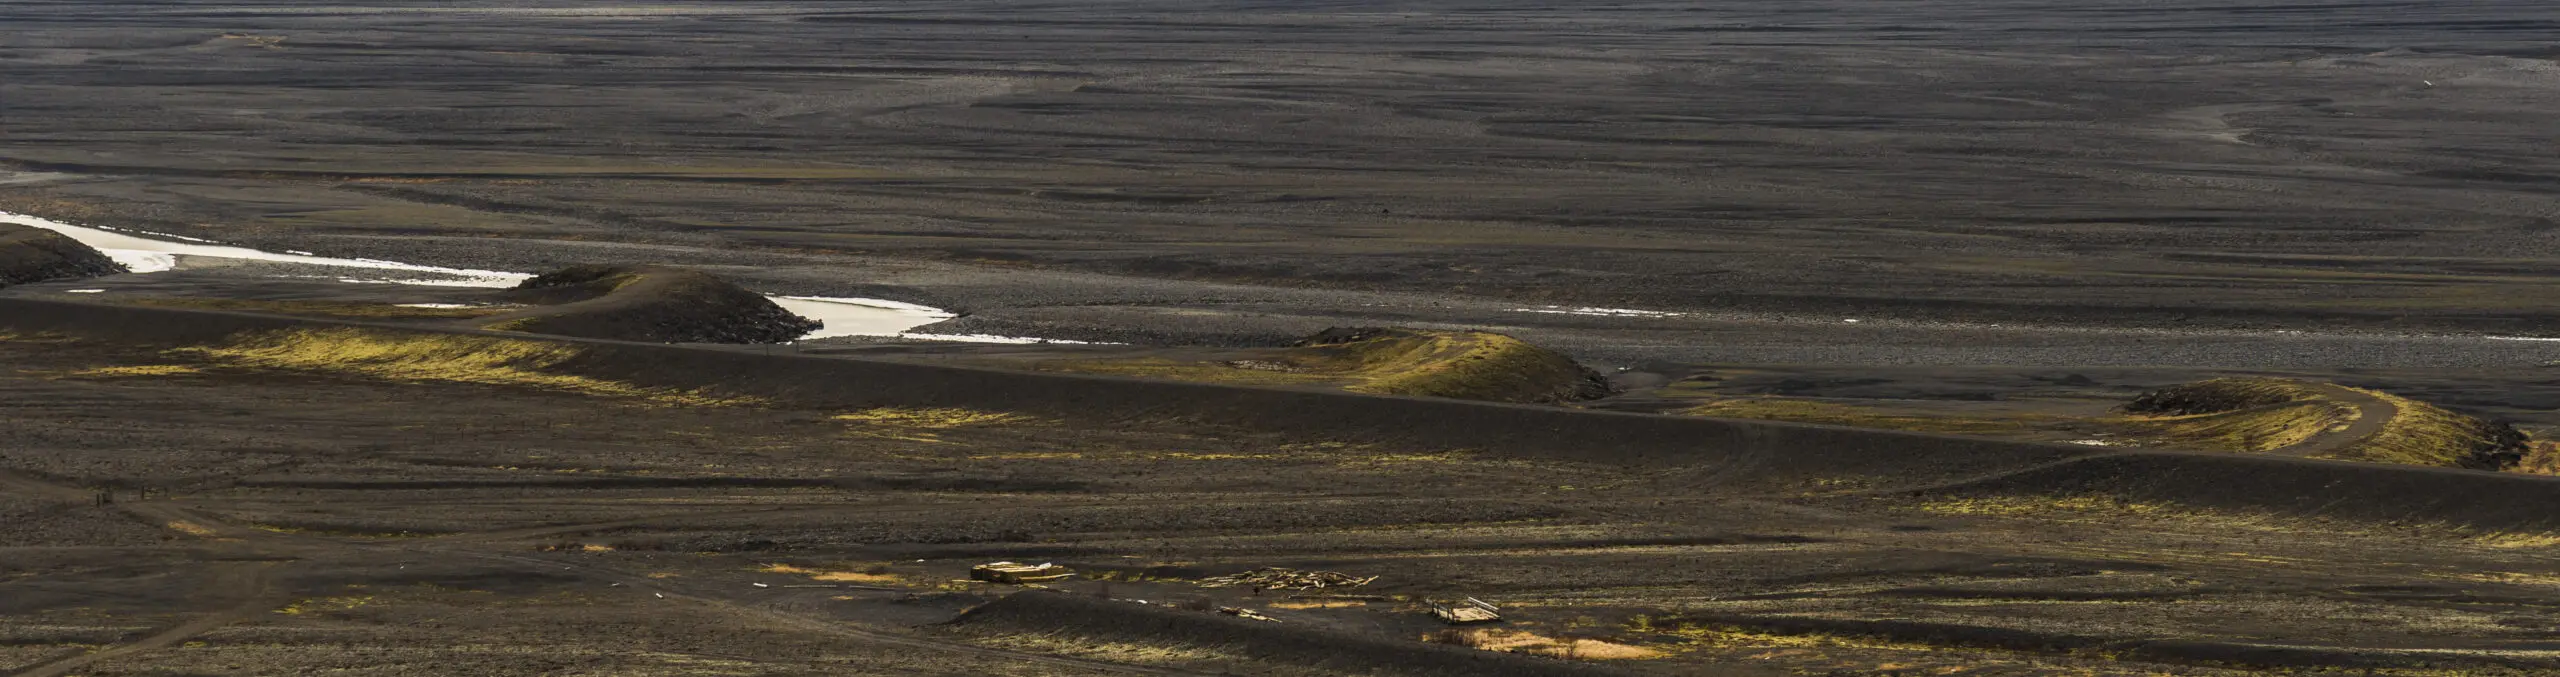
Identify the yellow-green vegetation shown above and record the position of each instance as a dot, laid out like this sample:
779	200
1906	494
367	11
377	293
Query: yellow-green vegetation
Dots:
2541	458
2236	414
1525	642
325	604
347	310
135	371
1470	365
1710	635
876	574
2046	506
2518	540
429	357
1064	644
1465	365
1801	410
2265	414
921	424
2253	430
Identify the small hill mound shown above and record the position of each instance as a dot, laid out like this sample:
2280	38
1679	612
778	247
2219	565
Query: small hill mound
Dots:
2322	420
1470	365
648	303
2219	395
36	255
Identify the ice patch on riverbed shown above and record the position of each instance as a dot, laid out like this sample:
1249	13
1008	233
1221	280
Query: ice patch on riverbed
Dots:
842	316
1600	312
860	317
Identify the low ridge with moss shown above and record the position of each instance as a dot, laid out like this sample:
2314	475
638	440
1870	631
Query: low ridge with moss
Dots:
2269	414
648	303
37	255
2253	415
1470	365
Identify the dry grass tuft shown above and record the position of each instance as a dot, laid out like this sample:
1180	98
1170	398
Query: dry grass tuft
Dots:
2249	430
1522	641
874	574
1117	652
325	604
1469	365
922	424
193	529
2518	540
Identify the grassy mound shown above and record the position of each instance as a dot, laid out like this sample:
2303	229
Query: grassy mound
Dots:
36	255
2220	395
2425	434
427	357
2247	415
648	303
2264	414
1470	365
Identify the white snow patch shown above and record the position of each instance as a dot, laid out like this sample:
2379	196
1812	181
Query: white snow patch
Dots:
2093	443
1597	312
437	305
991	338
84	291
2521	338
860	317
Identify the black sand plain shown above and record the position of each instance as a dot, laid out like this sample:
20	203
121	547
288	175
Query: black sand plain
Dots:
2000	194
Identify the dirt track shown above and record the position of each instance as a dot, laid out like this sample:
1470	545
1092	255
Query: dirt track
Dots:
2371	415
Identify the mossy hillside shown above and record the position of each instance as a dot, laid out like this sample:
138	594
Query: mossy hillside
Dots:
2425	434
2256	429
1470	365
428	357
2214	396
